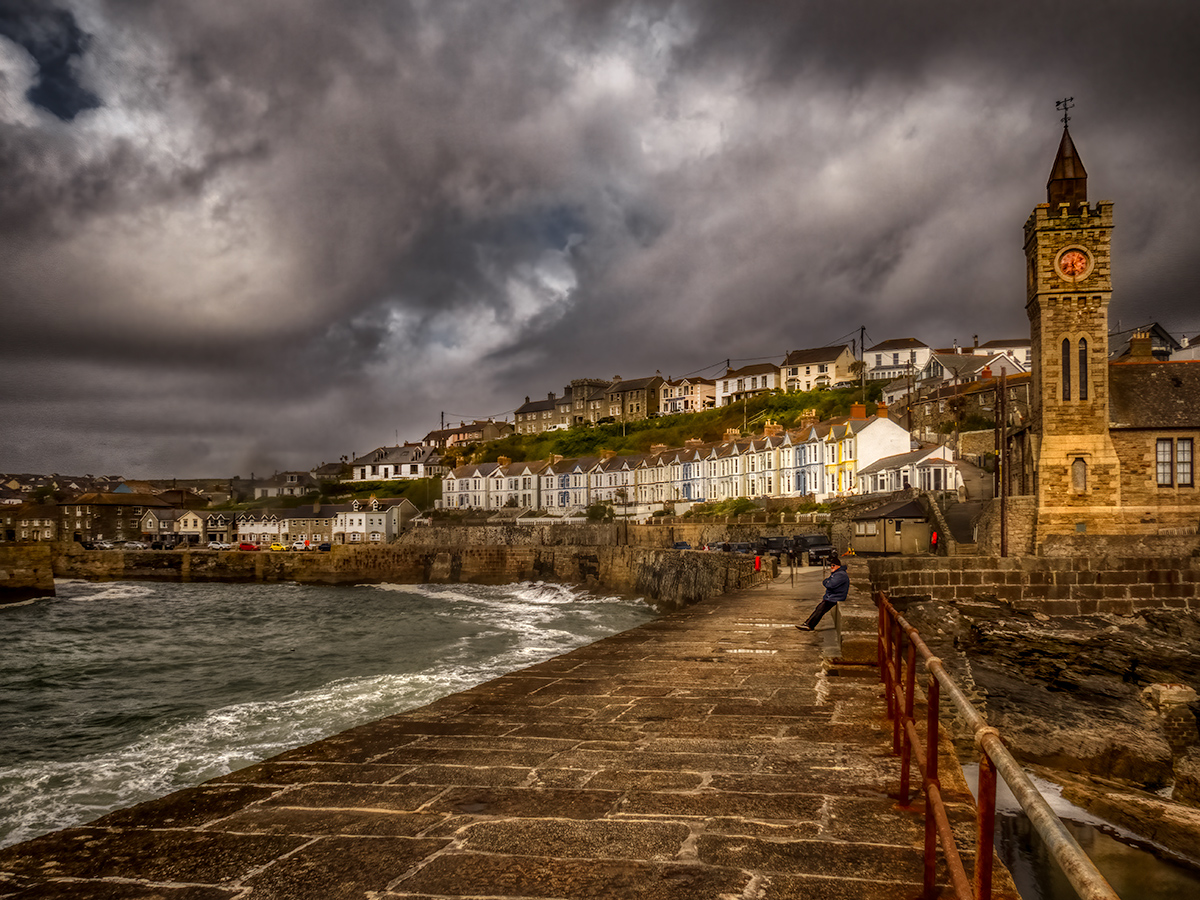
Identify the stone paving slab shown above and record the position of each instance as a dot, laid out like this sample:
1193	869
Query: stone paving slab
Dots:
714	752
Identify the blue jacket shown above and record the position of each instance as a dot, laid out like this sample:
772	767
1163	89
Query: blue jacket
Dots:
837	585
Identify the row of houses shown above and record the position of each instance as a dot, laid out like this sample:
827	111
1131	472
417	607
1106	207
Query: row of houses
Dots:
856	454
146	517
371	521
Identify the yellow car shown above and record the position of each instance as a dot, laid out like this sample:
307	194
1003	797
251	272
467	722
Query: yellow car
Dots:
278	547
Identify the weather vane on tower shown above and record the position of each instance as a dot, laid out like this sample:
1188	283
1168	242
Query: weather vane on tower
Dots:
1065	105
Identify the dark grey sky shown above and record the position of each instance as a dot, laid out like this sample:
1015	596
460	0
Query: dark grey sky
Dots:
261	235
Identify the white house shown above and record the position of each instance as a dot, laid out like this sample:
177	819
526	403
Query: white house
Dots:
896	358
817	367
402	463
748	381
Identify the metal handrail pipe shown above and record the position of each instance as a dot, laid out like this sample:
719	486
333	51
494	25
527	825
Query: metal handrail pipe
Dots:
1089	884
954	863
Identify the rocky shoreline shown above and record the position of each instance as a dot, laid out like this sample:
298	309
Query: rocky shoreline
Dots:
1104	705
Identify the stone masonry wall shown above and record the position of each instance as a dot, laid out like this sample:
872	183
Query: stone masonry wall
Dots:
668	579
26	572
1068	585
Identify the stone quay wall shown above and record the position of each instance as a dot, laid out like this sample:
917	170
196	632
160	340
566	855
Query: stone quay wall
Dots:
1061	585
669	579
26	572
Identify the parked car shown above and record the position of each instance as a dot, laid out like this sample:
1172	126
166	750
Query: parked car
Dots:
218	545
300	545
102	545
278	546
324	548
681	545
246	545
816	546
134	545
775	546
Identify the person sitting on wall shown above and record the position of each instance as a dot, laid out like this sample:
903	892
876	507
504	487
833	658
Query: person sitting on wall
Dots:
837	586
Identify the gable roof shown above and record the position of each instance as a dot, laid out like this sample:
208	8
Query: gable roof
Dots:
899	344
814	355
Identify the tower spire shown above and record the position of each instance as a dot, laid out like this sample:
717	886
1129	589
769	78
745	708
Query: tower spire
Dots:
1068	178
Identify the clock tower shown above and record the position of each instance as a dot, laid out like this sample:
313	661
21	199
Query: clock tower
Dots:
1068	290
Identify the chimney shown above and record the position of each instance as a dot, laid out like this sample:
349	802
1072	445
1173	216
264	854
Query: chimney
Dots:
550	395
976	339
555	457
808	418
732	434
881	410
658	448
693	442
504	460
986	374
771	428
607	454
1141	346
858	411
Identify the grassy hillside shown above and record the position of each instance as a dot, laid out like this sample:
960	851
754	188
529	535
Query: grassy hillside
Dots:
639	437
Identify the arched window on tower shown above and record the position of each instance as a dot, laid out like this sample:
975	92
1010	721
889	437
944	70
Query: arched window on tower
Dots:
1079	476
1066	368
1083	369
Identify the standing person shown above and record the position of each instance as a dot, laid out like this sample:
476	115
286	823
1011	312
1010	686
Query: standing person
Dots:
837	586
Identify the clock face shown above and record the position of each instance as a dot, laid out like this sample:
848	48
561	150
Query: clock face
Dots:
1073	264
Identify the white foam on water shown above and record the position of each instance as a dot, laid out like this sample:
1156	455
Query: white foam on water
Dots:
93	591
531	623
41	796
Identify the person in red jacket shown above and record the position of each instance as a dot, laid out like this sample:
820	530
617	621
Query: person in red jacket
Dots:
837	586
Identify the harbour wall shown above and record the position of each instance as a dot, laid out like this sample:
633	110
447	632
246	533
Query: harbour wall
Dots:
26	572
669	579
1083	584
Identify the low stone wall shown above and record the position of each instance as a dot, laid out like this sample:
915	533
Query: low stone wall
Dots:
26	572
667	578
1066	585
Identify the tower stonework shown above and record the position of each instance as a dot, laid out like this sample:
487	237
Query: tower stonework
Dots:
1069	287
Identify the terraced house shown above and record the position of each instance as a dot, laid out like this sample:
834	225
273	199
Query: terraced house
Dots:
822	460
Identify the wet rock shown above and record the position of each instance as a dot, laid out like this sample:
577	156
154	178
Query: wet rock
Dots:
1187	778
1103	695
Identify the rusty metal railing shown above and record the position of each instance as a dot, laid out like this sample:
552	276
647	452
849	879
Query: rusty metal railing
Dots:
899	644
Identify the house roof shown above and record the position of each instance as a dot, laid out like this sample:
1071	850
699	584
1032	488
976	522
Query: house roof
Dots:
755	369
814	355
1001	345
898	461
897	509
117	499
1161	341
1153	394
535	405
633	384
408	453
898	344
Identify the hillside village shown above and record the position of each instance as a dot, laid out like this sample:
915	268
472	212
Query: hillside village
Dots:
919	418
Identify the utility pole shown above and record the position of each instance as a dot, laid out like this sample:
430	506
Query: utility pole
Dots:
862	346
1002	461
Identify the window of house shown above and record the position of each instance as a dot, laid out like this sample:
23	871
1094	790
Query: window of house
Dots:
1173	459
895	359
878	360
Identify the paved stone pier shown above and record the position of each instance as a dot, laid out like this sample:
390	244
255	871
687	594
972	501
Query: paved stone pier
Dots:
716	752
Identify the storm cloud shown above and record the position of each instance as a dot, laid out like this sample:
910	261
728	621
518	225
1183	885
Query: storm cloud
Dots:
263	235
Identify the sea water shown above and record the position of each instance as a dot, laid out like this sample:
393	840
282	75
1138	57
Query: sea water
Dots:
117	692
1134	867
